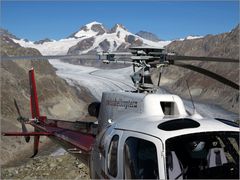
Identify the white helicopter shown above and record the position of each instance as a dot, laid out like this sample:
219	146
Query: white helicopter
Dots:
141	134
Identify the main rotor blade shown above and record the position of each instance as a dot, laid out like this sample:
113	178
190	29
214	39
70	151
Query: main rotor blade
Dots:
209	74
122	62
20	118
159	78
197	58
120	53
35	145
16	106
82	56
24	129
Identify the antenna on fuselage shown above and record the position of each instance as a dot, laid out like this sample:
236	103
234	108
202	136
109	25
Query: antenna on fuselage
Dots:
160	75
194	108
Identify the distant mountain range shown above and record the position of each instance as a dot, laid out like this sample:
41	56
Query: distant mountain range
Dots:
93	37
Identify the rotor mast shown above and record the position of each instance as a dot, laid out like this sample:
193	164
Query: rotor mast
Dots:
144	58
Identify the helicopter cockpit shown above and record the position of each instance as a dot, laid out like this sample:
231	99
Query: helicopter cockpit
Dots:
203	155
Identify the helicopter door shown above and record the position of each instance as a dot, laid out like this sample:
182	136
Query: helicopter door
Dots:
142	156
97	162
104	159
112	155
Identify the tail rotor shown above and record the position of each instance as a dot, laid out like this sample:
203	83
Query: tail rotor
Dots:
35	121
22	120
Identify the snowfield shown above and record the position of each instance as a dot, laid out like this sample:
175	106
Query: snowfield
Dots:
50	48
99	81
96	80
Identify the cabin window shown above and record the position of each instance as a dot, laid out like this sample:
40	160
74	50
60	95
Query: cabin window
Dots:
208	155
167	108
140	159
112	156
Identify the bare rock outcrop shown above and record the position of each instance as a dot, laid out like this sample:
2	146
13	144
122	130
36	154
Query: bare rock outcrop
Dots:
81	46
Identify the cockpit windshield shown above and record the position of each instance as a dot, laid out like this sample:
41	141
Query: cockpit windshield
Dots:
203	156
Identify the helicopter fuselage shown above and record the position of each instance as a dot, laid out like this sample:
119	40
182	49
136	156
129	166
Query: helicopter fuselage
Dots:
138	133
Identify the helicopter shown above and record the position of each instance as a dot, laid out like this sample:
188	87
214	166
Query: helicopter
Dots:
140	134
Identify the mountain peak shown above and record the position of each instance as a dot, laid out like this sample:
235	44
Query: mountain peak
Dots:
148	35
117	27
121	26
93	23
89	26
93	28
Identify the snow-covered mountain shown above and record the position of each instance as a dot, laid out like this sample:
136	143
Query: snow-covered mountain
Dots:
91	38
189	38
148	35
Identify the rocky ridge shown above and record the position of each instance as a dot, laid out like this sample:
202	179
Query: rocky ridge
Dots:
204	88
9	47
6	33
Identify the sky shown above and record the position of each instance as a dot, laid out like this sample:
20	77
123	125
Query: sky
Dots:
35	20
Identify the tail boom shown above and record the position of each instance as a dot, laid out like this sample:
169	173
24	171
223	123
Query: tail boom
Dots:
26	134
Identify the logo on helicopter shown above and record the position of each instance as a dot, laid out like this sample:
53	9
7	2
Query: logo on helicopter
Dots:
122	103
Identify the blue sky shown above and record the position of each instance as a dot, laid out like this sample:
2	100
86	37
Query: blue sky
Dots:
167	19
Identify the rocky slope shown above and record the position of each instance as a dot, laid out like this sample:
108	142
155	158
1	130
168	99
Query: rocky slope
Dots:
9	47
90	38
203	88
56	98
5	32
